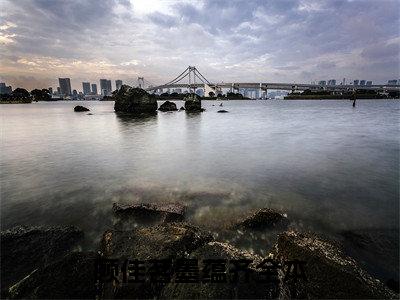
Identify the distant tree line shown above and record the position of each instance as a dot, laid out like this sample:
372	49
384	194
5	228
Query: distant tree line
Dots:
22	95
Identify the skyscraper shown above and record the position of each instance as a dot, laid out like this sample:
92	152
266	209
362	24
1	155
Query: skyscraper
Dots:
105	87
86	88
369	82
65	86
362	82
355	82
118	84
94	89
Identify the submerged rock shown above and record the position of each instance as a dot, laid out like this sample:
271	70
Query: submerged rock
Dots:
168	106
150	213
80	108
135	101
24	249
222	111
71	277
182	108
264	218
330	273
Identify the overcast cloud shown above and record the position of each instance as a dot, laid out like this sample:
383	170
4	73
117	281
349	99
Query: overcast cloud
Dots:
260	41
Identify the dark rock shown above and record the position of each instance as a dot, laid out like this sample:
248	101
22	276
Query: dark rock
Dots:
156	242
330	273
24	249
80	108
193	103
90	114
182	108
222	111
150	213
377	251
134	101
264	218
168	106
71	277
252	289
167	241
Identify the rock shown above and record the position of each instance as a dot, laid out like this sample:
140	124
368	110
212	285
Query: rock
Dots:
80	108
193	103
168	106
182	108
377	251
134	101
264	218
150	213
71	277
222	111
171	240
90	114
330	273
156	242
24	249
228	290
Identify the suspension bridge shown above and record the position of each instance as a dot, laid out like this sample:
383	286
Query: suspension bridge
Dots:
191	79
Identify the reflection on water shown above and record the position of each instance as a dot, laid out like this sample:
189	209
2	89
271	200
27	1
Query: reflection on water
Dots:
328	166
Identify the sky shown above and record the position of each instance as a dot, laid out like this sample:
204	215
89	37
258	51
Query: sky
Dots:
228	41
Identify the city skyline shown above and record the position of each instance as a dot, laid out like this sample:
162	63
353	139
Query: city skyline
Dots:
276	41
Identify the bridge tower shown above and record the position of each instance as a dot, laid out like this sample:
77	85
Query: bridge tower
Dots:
140	81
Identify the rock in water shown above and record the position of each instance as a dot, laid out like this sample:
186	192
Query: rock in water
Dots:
222	111
182	108
264	218
134	101
168	106
71	277
80	108
330	273
193	103
150	213
24	249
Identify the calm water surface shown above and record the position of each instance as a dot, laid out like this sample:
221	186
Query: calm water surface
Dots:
327	165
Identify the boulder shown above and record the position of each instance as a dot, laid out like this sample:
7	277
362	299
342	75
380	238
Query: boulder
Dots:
134	101
150	213
222	111
155	242
24	249
252	289
167	241
329	271
377	250
80	108
193	103
264	218
168	106
71	277
182	108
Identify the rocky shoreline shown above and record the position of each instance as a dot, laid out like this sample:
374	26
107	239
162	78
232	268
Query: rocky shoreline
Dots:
47	262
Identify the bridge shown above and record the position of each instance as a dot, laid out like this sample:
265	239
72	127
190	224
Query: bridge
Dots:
192	74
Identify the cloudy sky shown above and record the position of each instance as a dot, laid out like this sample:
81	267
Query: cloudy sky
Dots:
260	41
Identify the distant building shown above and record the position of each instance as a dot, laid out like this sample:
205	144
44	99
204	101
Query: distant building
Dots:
392	82
86	88
344	81
58	90
94	89
65	86
118	84
105	87
368	83
362	82
50	90
332	82
355	82
322	82
5	89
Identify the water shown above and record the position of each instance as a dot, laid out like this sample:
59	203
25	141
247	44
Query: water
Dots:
329	166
